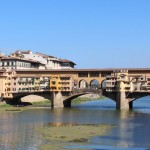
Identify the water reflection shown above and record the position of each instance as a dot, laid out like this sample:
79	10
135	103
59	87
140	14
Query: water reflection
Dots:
18	131
132	130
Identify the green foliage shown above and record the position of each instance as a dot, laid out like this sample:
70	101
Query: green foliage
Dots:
5	105
42	103
80	100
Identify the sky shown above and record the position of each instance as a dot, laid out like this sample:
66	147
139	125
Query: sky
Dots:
91	33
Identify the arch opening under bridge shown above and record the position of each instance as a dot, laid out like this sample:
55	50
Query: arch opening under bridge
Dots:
79	92
68	100
17	99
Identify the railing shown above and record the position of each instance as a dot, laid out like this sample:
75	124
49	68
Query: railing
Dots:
87	90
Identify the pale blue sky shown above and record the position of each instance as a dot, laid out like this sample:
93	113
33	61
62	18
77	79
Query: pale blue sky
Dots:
92	33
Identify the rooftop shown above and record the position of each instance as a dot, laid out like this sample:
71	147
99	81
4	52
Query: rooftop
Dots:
90	70
23	52
44	55
67	61
20	59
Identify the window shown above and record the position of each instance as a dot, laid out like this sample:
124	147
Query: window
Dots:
53	82
94	74
83	75
8	89
3	64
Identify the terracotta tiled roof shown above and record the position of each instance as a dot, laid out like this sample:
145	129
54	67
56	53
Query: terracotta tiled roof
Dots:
22	59
44	55
67	61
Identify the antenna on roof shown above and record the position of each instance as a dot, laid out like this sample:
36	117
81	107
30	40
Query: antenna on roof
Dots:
0	52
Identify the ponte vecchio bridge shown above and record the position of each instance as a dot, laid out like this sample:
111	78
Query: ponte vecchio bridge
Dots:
123	86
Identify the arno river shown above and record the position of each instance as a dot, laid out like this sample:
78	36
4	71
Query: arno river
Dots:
130	129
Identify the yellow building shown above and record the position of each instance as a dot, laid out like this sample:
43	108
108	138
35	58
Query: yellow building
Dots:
6	83
62	83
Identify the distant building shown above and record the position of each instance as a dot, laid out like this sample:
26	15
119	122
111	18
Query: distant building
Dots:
18	63
50	62
67	64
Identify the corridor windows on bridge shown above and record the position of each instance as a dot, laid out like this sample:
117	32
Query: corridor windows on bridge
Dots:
104	74
94	74
83	74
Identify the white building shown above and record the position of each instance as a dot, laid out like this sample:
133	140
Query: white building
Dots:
18	63
50	62
67	64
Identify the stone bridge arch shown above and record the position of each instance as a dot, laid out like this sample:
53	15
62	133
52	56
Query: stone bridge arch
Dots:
76	93
136	96
67	101
124	100
17	97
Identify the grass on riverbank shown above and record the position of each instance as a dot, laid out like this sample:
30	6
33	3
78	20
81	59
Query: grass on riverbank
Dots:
14	108
4	105
45	103
60	136
8	108
82	99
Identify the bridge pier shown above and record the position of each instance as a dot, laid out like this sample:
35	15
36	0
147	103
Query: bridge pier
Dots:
57	100
122	102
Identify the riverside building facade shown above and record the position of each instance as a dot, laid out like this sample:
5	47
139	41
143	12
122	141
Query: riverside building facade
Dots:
47	61
11	83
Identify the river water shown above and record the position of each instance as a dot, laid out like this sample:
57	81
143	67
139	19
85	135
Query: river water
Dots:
131	131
